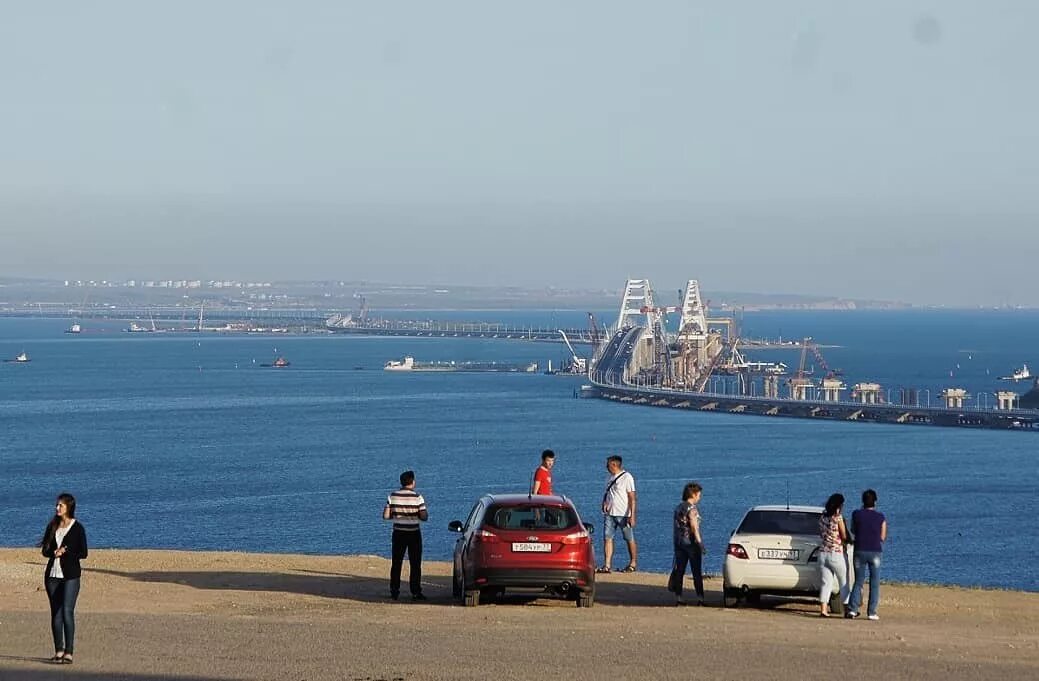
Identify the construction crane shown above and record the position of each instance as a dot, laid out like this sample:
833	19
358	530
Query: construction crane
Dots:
810	346
593	330
800	385
578	365
663	368
801	373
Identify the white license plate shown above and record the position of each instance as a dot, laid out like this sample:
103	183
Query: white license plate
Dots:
779	554
531	547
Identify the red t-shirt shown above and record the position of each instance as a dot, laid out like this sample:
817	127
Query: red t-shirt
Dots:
544	476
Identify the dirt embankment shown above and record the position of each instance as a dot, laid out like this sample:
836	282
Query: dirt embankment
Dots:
147	615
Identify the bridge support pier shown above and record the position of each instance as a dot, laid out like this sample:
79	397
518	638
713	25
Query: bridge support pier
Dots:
1006	400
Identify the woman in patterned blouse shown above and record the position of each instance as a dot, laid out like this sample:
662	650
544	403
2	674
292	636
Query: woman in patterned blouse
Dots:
831	554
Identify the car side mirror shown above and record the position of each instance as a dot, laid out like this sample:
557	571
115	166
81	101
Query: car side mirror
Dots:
589	527
454	526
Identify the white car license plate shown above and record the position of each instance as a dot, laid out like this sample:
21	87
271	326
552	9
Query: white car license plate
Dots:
531	547
779	554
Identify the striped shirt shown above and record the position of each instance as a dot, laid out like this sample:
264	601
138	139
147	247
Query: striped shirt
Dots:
405	506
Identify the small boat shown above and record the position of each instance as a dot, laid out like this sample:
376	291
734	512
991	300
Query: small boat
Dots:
1019	375
75	328
279	363
21	358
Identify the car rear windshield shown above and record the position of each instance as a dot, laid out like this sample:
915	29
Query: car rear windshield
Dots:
530	517
780	522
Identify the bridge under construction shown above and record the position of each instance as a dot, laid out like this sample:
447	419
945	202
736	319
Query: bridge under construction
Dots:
701	367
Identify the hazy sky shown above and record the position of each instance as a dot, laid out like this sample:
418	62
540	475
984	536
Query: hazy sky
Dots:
884	149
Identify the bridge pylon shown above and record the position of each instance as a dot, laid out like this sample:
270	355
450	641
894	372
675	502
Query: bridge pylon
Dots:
694	317
638	294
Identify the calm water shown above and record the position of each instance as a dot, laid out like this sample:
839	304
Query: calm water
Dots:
180	442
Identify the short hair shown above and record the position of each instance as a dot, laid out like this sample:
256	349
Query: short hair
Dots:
615	457
869	498
547	454
690	490
406	478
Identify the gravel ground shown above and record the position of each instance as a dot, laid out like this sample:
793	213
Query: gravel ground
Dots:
147	615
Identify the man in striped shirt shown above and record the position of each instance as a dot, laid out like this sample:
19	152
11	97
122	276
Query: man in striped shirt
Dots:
406	508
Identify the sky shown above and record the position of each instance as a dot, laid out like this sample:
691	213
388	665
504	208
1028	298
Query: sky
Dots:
885	150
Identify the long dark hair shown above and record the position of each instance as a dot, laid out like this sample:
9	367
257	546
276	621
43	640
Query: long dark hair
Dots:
834	504
52	526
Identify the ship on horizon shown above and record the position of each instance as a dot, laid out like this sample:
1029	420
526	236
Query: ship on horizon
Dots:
1020	375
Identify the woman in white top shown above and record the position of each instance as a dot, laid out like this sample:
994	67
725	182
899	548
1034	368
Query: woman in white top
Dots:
65	544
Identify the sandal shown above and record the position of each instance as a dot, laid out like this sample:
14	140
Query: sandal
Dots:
67	659
58	657
604	570
631	568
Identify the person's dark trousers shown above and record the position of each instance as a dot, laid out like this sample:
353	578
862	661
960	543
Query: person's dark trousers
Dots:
686	554
405	541
62	594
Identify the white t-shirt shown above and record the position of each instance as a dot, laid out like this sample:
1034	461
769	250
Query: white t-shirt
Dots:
616	497
59	536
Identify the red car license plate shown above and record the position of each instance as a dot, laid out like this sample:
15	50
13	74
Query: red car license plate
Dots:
531	547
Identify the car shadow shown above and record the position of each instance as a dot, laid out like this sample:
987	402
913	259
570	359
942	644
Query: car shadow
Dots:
306	583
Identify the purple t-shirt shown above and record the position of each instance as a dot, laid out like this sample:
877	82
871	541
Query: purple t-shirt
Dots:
865	525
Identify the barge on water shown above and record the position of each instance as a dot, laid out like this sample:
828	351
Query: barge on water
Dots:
408	364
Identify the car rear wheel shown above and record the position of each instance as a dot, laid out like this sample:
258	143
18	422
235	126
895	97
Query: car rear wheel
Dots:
836	606
730	596
472	598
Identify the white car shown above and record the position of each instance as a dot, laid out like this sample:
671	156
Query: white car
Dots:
775	550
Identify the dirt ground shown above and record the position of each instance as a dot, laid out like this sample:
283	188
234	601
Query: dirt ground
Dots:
145	615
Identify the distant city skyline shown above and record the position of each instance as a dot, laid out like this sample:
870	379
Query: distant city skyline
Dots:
880	151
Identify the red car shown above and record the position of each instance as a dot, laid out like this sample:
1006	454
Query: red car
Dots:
524	542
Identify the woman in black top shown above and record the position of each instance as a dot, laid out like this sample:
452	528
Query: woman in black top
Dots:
65	543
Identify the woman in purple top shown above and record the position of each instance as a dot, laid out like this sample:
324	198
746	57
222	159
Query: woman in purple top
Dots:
869	527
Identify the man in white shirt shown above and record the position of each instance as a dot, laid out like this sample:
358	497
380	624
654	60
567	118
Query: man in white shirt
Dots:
618	508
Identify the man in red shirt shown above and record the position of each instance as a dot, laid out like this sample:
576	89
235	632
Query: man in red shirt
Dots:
542	483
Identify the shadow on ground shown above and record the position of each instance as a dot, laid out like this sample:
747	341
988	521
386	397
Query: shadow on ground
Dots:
309	583
48	671
611	590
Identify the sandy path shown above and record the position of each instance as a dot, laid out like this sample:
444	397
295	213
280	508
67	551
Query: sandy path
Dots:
191	615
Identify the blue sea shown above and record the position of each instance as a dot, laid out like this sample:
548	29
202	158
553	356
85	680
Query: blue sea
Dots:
184	441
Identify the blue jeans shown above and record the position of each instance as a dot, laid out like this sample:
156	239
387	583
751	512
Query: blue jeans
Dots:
862	560
612	523
62	594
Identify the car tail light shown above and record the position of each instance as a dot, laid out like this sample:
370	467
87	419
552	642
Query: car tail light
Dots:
485	537
814	558
576	538
737	551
